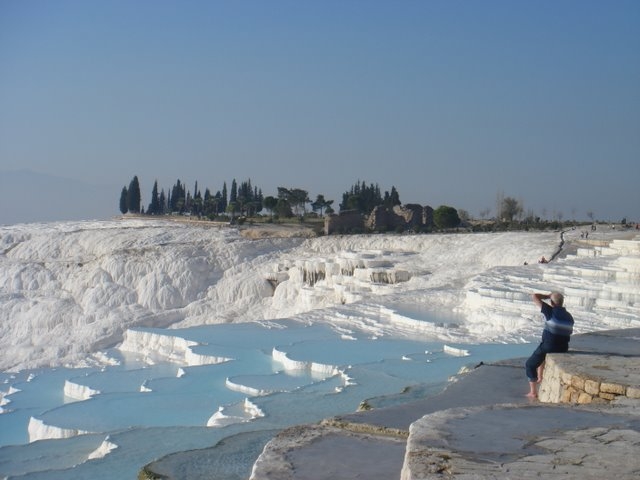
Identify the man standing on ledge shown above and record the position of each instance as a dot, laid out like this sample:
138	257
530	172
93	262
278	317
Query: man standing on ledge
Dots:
558	327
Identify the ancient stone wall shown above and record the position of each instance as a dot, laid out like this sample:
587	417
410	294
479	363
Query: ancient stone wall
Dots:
569	378
381	219
404	217
345	222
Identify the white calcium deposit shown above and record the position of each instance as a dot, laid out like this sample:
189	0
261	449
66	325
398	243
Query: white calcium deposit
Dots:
69	290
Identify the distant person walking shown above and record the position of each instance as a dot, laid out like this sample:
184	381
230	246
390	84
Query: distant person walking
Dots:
557	331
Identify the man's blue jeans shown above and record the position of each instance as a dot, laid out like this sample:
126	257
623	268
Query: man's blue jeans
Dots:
539	354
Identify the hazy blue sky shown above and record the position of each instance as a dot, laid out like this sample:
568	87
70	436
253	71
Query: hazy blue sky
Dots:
451	102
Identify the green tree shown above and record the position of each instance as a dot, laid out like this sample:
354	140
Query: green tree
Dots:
321	204
258	199
178	197
294	198
224	198
270	204
446	217
510	209
232	208
221	202
188	202
163	202
362	198
124	200
283	208
245	198
391	199
154	206
207	204
233	196
299	199
134	195
196	202
197	205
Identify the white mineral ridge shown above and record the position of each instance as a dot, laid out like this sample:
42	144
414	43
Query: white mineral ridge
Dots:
246	412
455	352
76	391
103	450
150	345
295	365
70	290
38	430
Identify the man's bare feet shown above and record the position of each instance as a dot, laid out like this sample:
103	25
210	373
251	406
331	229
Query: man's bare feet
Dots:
533	390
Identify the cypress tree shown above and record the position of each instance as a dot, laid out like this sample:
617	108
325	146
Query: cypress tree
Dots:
134	195
163	203
394	197
154	206
233	196
178	197
362	198
124	200
223	199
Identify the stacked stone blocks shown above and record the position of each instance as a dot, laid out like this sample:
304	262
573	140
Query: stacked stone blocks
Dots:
574	378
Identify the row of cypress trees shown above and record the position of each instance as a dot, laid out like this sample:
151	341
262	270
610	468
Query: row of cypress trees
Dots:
246	199
180	200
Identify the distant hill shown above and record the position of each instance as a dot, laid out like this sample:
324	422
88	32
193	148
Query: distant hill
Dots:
27	197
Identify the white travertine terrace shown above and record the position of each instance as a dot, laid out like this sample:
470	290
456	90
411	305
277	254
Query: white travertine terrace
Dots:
38	430
77	391
171	347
